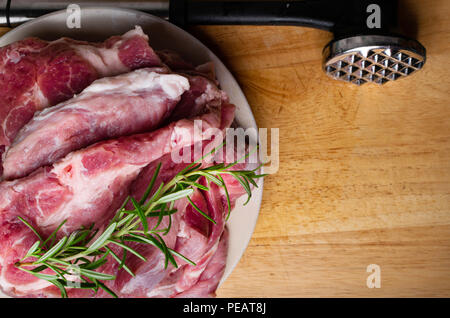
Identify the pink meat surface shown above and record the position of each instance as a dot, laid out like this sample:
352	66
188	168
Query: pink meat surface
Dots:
209	279
204	88
110	107
178	64
202	92
85	187
35	74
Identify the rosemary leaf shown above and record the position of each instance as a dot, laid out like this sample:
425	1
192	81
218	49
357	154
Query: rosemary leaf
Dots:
31	228
129	249
53	235
227	195
160	216
121	265
105	288
96	275
55	249
200	211
150	185
102	239
187	260
96	264
58	284
141	215
40	275
168	255
33	249
175	196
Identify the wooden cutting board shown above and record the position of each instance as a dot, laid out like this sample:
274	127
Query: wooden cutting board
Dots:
364	172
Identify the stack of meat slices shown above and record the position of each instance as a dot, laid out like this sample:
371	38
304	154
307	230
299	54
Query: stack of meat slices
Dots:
84	125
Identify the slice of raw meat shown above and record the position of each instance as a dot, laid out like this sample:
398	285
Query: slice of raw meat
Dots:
202	280
204	88
174	60
86	187
35	74
198	238
202	92
194	242
209	279
207	282
110	107
178	64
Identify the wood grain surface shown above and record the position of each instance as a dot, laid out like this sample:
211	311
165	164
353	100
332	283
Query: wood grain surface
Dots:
364	172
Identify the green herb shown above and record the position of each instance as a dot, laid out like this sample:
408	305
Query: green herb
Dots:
82	252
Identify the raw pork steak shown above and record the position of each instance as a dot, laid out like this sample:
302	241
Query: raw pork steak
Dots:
110	107
35	74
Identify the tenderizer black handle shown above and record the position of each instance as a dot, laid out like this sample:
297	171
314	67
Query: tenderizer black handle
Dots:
338	16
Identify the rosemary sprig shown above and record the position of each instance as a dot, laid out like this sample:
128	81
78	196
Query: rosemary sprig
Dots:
84	251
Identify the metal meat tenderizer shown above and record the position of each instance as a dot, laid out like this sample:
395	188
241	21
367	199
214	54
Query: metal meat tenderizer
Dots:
366	47
372	58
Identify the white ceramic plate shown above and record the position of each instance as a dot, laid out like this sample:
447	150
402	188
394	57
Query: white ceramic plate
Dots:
99	23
